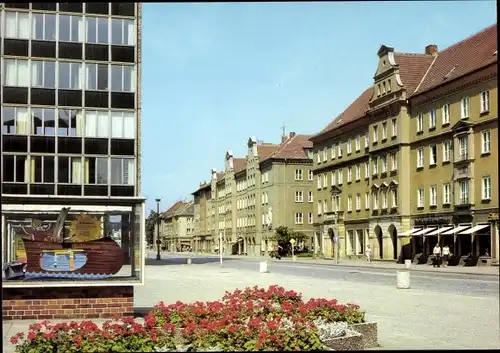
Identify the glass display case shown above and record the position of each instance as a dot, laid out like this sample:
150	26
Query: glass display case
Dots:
75	242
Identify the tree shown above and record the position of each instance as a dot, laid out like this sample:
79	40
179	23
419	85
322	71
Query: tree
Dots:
151	222
283	235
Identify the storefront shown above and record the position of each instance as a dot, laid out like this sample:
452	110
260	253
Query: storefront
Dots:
356	238
72	245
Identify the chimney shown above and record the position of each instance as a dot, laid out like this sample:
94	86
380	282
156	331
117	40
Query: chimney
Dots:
431	49
292	134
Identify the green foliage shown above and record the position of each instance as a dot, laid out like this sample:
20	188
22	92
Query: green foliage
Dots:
151	222
283	235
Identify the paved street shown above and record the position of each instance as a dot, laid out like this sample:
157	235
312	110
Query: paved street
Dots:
446	311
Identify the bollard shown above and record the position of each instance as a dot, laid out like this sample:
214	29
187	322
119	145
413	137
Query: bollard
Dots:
408	264
263	267
188	261
294	258
403	279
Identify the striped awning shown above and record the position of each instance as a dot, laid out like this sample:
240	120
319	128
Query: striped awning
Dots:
454	231
409	232
423	231
475	229
439	230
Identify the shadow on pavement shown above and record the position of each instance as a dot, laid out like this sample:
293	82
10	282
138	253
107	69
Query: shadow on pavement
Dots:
182	261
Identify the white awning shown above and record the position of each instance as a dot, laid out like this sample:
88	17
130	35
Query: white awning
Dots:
407	233
439	231
475	229
423	231
455	230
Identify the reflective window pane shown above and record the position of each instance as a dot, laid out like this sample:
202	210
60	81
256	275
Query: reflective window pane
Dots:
102	31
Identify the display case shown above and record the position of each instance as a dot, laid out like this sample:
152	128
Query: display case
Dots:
78	241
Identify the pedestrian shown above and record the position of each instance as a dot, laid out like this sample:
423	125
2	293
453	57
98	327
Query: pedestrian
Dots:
368	253
277	251
446	255
437	255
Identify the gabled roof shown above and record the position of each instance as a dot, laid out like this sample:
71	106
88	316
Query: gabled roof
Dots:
293	148
239	164
264	150
422	72
180	208
172	209
462	58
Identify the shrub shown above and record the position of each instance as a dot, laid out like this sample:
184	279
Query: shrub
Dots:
114	336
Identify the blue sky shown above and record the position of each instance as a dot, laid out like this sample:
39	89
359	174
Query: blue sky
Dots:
216	73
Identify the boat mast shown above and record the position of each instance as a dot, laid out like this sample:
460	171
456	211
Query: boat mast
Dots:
58	234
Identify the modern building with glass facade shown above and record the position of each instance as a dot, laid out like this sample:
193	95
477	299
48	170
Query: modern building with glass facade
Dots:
70	112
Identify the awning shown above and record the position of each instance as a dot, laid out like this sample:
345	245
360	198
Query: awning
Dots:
439	231
423	231
407	233
455	230
475	229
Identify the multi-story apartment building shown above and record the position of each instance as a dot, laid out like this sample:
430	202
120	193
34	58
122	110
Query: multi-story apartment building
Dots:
270	187
71	118
177	226
413	160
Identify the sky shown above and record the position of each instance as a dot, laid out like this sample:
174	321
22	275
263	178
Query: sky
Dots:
214	74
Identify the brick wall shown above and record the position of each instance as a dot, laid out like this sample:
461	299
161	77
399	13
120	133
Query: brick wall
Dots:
67	302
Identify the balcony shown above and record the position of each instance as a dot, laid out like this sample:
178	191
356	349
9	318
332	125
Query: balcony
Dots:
463	203
462	173
462	157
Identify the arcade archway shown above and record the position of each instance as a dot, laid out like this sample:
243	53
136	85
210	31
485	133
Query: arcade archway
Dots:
393	233
380	240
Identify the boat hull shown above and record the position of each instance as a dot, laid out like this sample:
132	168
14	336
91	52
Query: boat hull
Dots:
103	257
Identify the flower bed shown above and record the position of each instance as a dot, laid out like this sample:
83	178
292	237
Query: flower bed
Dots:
243	320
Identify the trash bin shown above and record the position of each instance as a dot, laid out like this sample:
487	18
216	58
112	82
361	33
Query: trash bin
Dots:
408	264
403	279
263	267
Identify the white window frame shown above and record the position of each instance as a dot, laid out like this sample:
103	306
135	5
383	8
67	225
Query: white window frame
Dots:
311	175
446	151
325	154
367	170
446	114
349	203
318	157
463	145
340	176
485	101
367	200
299	218
96	39
485	142
17	25
131	29
333	177
310	218
420	198
332	152
394	126
432	119
310	197
120	69
420	122
394	161
375	200
465	107
367	139
23	80
384	131
78	66
44	35
358	202
358	172
349	146
446	194
318	181
384	199
375	165
384	163
349	174
432	156
325	206
128	129
375	134
463	187
433	195
339	150
420	157
486	188
299	196
394	196
325	180
44	72
358	143
299	174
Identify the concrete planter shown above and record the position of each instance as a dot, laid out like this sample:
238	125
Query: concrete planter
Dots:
369	332
365	336
352	342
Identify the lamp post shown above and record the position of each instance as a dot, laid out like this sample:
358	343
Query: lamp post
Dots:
158	241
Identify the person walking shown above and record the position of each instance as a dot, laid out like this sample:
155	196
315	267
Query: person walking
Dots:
437	255
368	253
446	255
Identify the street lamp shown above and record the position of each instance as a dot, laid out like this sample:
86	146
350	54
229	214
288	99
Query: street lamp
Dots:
158	241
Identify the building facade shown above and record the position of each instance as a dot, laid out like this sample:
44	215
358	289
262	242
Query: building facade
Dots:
406	164
71	123
270	187
177	227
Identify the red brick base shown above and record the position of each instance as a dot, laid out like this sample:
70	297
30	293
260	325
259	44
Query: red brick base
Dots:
67	302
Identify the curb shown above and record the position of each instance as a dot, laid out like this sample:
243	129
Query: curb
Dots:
256	259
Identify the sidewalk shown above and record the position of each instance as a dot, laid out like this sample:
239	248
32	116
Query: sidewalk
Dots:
377	264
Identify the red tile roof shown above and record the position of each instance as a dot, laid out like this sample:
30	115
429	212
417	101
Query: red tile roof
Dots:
462	58
239	164
422	72
173	208
293	147
264	150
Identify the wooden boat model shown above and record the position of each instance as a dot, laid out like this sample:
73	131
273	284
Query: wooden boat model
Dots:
51	254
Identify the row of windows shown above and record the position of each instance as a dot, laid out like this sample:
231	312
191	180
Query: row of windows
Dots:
380	200
299	218
299	175
69	75
447	148
68	170
101	8
299	196
446	112
68	122
69	28
463	197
